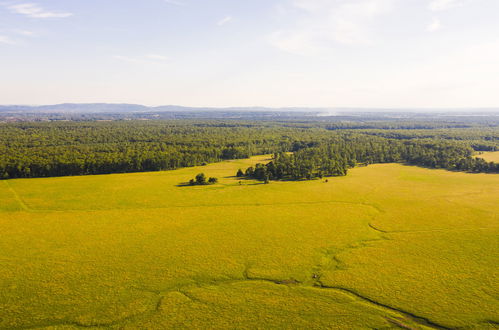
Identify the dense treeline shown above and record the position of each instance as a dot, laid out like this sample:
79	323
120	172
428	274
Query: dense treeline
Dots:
79	148
336	157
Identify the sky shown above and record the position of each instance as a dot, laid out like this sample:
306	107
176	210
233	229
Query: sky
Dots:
276	53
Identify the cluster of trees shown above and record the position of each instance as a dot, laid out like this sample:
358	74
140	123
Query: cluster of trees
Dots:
80	148
304	164
200	180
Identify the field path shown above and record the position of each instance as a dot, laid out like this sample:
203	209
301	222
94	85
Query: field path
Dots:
166	207
18	198
429	230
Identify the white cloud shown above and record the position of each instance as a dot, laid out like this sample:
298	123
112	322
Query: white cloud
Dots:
224	20
35	11
435	25
323	23
441	5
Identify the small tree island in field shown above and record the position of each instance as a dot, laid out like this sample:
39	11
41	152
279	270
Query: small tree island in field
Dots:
200	180
296	167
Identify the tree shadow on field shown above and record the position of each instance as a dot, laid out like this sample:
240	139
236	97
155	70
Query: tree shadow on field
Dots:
187	184
222	185
239	178
184	184
245	179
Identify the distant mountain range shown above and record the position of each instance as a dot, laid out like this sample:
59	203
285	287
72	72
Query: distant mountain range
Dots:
127	108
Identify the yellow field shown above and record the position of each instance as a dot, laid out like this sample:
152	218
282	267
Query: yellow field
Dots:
387	246
492	156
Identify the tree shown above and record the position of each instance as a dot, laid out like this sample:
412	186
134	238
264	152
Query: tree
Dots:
201	179
240	173
212	180
249	171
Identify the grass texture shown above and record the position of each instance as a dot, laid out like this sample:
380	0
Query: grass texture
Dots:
388	246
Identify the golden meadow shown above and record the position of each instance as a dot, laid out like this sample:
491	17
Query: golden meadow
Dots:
387	246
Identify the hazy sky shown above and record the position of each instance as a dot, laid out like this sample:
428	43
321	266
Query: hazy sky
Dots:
328	53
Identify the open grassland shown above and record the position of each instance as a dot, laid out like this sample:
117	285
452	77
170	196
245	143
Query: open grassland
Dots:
387	246
492	156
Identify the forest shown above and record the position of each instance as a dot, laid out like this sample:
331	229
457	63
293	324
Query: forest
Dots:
47	149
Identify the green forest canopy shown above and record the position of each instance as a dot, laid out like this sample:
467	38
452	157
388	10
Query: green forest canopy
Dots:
320	149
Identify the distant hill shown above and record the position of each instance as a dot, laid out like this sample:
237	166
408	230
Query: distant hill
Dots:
76	107
96	108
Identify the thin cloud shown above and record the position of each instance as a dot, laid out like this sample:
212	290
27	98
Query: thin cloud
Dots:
442	5
174	2
6	40
224	20
35	11
25	33
127	59
15	36
157	57
293	42
146	59
322	23
434	26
